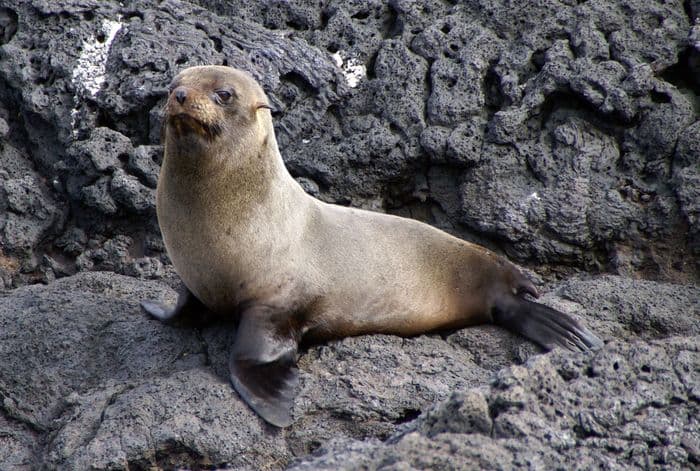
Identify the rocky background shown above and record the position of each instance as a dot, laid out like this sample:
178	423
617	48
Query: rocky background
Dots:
562	134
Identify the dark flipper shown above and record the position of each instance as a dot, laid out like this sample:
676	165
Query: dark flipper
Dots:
189	311
263	366
544	325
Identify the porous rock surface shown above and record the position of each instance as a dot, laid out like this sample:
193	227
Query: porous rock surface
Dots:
561	134
90	382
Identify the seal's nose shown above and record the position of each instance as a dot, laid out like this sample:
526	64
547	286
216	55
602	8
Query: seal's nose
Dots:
180	95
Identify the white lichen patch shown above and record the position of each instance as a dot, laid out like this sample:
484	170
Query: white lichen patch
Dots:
533	196
338	59
353	69
89	73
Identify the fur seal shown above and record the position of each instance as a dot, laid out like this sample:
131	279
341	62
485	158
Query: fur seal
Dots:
248	242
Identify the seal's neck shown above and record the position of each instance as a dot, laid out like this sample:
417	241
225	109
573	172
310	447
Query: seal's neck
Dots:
243	172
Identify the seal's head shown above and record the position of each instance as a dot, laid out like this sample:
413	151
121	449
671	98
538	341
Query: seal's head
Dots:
208	104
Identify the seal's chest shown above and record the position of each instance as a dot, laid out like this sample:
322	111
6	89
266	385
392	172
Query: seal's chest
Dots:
224	272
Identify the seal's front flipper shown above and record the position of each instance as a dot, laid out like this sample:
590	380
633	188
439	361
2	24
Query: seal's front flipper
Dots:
188	311
263	366
544	325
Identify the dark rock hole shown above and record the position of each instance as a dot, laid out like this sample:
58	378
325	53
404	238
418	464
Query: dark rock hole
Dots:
300	82
446	28
313	445
495	100
157	158
659	97
688	9
392	25
566	375
582	432
137	14
407	416
685	73
566	100
297	25
646	368
616	366
538	60
104	120
361	15
218	47
324	18
371	63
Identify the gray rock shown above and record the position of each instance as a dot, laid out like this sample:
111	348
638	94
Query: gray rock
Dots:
14	162
113	254
686	176
457	76
464	412
104	151
132	194
624	407
190	418
465	141
18	444
114	389
144	162
73	241
370	98
98	196
27	214
656	310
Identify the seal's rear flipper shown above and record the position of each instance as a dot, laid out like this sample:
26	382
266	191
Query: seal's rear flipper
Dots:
263	367
189	310
544	325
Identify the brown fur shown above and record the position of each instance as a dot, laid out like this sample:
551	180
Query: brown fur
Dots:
239	229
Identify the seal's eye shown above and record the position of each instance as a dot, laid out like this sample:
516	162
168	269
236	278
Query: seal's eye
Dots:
223	96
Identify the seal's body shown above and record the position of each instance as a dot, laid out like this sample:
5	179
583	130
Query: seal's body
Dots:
248	242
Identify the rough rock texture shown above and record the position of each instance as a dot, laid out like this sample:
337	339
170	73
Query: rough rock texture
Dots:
632	405
89	382
563	134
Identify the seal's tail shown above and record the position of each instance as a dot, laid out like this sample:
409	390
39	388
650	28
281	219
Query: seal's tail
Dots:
542	324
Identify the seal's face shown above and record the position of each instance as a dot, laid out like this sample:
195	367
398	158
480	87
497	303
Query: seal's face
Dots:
210	101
